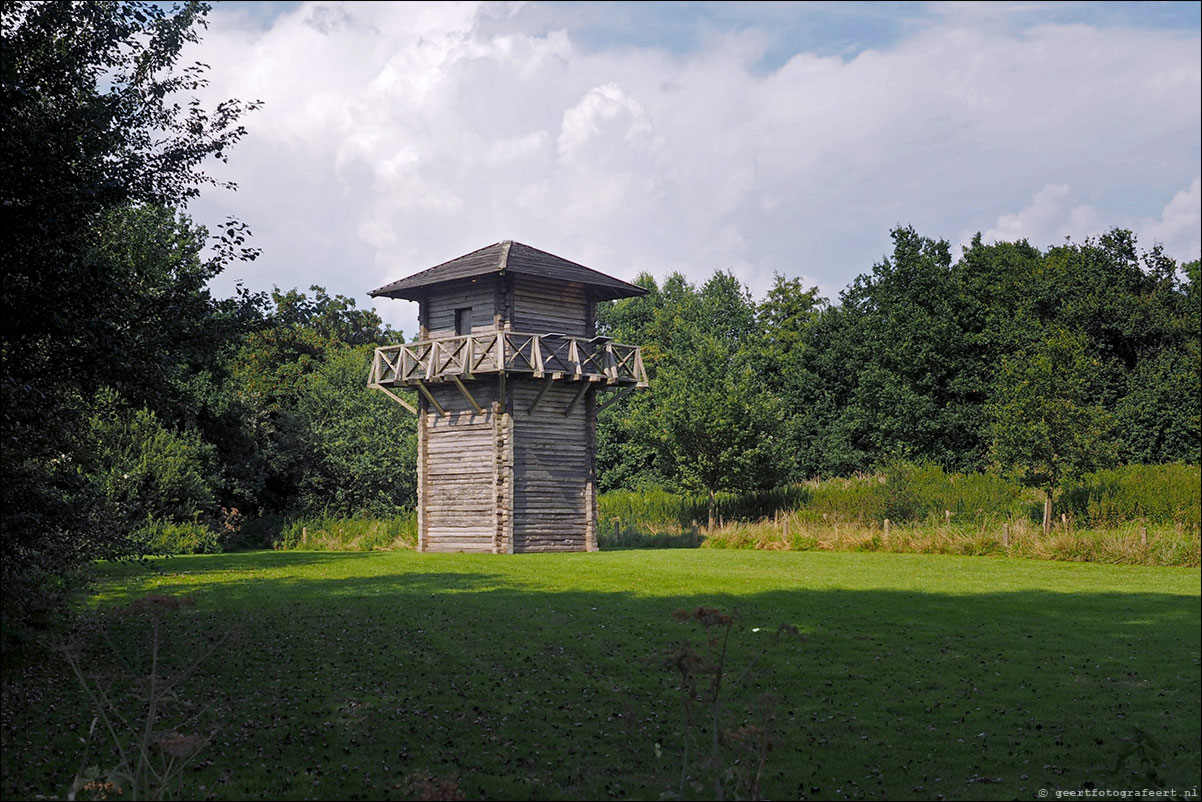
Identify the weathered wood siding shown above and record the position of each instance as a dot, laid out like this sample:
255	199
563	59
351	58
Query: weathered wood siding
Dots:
507	480
480	294
458	470
553	490
542	306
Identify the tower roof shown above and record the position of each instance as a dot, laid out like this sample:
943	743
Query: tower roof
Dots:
513	257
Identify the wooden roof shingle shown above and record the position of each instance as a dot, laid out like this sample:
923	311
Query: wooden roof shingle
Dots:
516	258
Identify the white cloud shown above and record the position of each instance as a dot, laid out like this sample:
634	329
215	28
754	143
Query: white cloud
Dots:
1179	227
1051	217
1036	222
396	136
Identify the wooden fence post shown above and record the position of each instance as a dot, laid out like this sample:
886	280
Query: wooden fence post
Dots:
886	528
785	522
1006	536
1143	535
947	516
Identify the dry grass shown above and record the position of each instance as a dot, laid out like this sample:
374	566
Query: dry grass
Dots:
1166	545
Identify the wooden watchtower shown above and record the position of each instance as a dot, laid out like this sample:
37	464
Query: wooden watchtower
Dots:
509	368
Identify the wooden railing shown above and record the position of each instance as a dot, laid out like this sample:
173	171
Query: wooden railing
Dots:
552	356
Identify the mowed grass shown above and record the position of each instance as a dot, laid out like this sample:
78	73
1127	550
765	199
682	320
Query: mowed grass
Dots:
542	676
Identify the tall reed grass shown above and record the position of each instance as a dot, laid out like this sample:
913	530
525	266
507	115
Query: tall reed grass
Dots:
1139	514
1161	494
348	534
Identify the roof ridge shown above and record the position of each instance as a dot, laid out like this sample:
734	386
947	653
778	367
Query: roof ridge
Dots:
503	262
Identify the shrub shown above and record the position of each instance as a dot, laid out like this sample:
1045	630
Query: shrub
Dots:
349	534
1162	494
150	473
180	538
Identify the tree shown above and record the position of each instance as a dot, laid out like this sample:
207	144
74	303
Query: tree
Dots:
98	127
717	424
358	447
1047	427
300	397
879	374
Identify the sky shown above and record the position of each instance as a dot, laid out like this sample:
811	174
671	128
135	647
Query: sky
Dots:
756	138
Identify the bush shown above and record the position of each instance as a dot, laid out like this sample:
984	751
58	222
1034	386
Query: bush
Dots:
349	534
1161	494
148	472
177	538
657	508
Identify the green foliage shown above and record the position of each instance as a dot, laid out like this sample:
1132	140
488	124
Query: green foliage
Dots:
348	534
909	493
656	508
1159	494
716	426
148	472
102	286
163	537
360	447
318	440
1047	425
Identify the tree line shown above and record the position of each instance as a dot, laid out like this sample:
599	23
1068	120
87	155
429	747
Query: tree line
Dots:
1043	364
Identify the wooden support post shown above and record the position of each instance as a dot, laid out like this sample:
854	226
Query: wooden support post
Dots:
1006	535
886	528
469	353
502	367
785	531
947	516
463	389
433	363
394	397
576	399
574	356
539	397
536	351
429	397
1143	535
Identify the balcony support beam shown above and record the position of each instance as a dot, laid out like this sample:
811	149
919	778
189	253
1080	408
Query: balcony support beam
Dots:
430	397
546	386
467	395
584	385
618	396
393	396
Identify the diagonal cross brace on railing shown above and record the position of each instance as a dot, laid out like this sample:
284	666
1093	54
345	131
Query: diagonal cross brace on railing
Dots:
558	356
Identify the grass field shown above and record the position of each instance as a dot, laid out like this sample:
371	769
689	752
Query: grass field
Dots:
348	675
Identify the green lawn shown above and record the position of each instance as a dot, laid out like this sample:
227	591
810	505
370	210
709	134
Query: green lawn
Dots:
542	676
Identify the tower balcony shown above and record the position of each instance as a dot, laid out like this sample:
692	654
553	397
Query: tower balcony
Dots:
596	361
